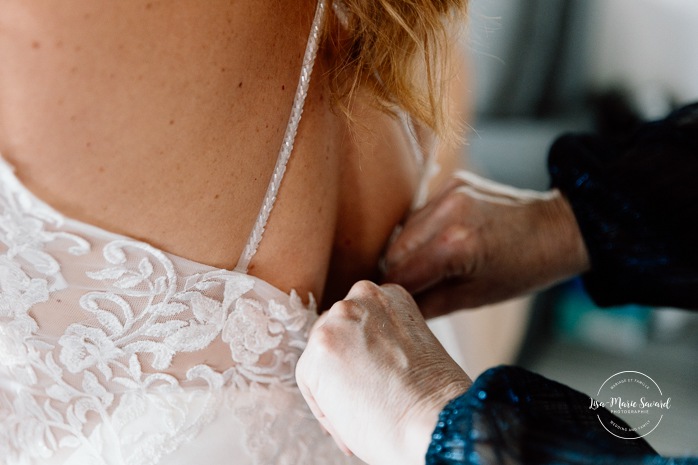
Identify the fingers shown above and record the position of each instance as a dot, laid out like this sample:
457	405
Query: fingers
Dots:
363	289
338	440
353	347
462	197
321	320
322	419
435	243
450	254
414	272
308	383
398	293
500	193
420	227
366	299
444	298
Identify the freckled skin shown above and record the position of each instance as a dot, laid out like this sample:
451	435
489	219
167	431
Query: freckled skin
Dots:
162	121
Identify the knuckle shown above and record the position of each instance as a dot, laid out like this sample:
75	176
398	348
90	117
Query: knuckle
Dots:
399	297
453	184
458	244
456	238
455	201
323	342
323	339
365	289
404	247
399	247
342	309
347	310
396	290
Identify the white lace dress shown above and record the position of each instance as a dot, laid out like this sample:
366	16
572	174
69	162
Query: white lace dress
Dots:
103	344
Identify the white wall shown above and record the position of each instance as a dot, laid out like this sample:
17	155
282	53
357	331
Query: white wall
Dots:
648	46
490	40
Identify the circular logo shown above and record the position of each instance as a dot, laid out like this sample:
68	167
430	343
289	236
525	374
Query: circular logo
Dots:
636	398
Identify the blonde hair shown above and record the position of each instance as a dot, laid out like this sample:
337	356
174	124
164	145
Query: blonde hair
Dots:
399	50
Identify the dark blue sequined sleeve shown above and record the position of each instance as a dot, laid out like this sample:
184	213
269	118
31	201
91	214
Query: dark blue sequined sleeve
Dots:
512	416
636	203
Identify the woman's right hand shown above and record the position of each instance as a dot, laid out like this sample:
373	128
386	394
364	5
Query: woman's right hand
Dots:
479	242
376	377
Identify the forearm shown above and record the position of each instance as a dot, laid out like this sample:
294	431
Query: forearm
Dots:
563	253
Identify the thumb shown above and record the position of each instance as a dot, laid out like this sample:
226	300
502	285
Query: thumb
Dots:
414	272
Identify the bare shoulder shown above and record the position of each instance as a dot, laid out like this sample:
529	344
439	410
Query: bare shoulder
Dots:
133	114
162	120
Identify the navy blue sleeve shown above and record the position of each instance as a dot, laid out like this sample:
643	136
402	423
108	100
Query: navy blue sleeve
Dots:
512	416
636	202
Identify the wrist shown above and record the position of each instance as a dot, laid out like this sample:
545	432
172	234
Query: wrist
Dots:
423	419
563	240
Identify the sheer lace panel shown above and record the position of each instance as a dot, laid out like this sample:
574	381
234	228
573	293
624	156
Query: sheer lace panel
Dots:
115	352
97	330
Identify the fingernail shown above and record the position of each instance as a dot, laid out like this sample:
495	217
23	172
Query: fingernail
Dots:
390	273
395	256
392	255
383	265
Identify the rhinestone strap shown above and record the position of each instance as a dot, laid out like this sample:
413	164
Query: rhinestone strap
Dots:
288	141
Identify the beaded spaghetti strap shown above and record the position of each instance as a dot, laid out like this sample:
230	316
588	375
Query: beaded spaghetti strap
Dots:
289	138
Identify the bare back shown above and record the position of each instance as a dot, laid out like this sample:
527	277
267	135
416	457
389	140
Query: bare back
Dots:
162	121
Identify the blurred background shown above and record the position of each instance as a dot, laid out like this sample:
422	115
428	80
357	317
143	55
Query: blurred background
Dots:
541	68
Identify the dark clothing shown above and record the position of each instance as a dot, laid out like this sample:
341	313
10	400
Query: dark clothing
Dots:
512	416
635	199
636	203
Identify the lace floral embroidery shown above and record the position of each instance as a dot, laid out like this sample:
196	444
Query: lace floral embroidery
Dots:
95	378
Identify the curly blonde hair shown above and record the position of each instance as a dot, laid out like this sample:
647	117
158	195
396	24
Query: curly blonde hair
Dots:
399	50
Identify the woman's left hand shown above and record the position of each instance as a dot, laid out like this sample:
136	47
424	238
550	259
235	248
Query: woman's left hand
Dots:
479	242
376	377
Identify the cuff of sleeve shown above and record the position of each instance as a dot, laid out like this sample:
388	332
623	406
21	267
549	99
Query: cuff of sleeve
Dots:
604	217
510	415
448	442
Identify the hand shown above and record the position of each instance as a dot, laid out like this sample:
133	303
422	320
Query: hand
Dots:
376	377
479	242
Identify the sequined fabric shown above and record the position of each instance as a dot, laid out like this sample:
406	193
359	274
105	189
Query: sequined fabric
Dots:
635	199
512	416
